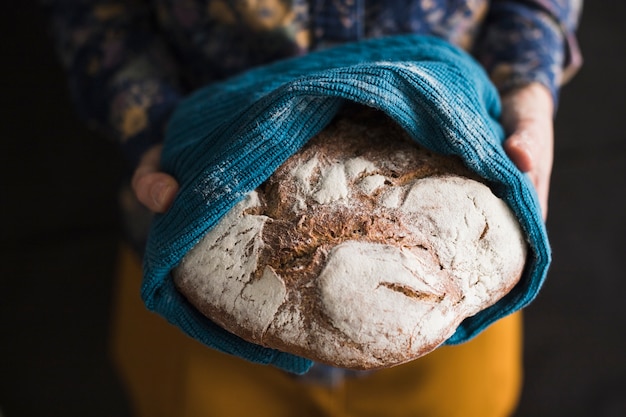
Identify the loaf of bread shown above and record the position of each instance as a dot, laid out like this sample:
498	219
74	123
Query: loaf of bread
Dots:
361	251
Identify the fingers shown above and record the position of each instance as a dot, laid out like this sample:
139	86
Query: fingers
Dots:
154	189
531	151
527	119
519	148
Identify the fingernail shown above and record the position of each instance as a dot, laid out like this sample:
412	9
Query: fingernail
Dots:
158	193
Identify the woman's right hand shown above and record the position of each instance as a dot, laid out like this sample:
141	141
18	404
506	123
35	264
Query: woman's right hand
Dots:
154	189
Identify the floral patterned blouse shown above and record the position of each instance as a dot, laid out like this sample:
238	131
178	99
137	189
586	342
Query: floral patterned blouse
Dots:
130	61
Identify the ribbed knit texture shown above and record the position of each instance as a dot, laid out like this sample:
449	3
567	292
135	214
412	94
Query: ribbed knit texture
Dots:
227	138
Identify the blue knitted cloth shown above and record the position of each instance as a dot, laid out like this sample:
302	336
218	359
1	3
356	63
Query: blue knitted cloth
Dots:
227	138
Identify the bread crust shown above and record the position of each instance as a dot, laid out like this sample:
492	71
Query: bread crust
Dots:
362	251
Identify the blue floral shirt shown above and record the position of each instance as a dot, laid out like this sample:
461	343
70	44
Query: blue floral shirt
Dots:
130	62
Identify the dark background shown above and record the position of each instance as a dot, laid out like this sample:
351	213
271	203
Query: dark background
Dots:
60	232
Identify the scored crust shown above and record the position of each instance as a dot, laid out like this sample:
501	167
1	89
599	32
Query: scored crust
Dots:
363	250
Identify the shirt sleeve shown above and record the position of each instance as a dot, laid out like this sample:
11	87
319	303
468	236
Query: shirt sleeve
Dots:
527	41
121	75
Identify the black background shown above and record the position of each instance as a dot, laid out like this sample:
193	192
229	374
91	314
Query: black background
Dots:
60	232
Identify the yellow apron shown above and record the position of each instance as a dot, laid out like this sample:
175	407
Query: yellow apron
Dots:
169	374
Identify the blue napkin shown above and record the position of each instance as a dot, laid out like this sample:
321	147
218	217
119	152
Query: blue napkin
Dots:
227	138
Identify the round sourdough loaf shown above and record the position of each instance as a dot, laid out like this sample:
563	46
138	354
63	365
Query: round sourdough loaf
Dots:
362	251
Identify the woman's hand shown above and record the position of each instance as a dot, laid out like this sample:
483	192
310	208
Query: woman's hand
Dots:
527	118
154	189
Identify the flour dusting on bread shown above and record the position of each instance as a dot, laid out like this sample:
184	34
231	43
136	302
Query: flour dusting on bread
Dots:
363	250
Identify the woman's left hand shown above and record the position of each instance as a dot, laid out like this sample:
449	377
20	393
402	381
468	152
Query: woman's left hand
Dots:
527	118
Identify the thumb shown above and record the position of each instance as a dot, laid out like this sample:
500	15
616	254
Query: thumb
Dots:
519	147
154	189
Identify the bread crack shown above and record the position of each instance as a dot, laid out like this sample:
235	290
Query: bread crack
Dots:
484	232
410	292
